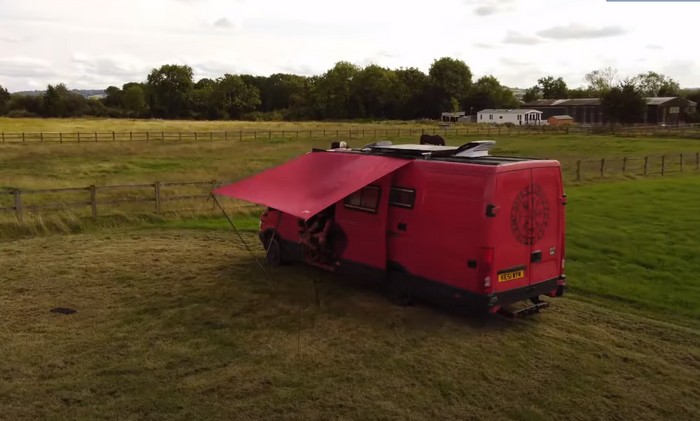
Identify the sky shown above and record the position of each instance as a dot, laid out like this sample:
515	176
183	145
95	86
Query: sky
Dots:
92	44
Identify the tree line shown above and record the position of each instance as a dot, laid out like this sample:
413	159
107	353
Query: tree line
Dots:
345	91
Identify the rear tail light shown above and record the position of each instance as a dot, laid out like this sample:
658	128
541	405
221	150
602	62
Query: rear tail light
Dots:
485	267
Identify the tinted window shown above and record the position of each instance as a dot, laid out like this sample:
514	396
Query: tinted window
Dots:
402	197
366	199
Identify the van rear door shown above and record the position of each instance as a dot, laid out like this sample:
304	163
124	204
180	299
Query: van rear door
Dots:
511	228
547	224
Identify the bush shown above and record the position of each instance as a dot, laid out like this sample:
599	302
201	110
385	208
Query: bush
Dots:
21	114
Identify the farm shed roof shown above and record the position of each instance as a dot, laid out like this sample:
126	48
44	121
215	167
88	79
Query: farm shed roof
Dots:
310	183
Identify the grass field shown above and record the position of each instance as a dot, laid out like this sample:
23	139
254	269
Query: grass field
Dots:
175	320
122	124
31	166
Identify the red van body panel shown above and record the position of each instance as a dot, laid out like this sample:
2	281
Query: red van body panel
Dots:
490	233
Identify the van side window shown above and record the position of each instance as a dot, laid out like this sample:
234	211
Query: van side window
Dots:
365	199
402	197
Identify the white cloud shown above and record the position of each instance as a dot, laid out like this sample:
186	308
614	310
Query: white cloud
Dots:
579	31
520	39
26	67
224	23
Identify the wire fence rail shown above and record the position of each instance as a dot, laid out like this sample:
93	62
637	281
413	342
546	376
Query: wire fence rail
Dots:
164	197
352	133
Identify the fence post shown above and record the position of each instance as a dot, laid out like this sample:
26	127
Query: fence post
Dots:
195	135
114	137
18	204
269	134
211	136
3	137
697	160
324	133
681	162
240	135
624	165
147	135
255	135
78	137
23	137
41	136
156	188
646	164
93	201
578	170
602	167
179	136
297	134
131	136
663	164
60	137
213	186
95	136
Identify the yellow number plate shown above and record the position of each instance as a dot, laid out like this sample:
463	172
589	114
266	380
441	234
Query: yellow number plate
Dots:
510	276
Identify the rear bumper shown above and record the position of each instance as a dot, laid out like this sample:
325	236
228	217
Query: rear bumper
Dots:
553	287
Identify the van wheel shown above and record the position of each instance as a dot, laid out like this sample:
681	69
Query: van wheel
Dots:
399	289
274	253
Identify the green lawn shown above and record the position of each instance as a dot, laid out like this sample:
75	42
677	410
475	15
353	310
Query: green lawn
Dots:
175	320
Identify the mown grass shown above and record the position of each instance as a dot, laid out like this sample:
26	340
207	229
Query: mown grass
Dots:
175	320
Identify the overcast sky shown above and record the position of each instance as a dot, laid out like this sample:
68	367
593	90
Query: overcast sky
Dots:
97	43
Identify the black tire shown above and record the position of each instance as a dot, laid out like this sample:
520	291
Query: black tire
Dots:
399	289
274	253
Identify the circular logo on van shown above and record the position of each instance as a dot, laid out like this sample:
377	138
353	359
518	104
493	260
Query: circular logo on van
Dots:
529	215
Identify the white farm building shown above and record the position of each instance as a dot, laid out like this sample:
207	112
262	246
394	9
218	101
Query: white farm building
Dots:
518	117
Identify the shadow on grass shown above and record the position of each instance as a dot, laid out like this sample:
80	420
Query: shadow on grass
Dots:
319	292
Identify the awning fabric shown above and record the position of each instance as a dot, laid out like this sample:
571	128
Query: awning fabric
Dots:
310	183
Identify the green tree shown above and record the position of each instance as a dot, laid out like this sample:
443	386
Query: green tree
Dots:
332	91
450	80
134	101
552	88
412	90
113	97
487	92
601	80
4	100
586	92
655	84
532	94
170	88
374	92
233	96
624	103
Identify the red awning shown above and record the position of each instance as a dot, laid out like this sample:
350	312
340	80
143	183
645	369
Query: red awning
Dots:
310	183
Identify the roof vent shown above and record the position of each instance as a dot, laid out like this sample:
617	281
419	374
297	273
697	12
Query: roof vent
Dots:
475	149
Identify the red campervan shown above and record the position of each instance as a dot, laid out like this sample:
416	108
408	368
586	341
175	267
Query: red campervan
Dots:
481	229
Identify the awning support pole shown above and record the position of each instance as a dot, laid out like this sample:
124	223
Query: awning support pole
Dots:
241	237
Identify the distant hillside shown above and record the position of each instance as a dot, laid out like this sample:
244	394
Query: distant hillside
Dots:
87	93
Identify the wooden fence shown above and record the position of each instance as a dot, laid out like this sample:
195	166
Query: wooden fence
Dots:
161	197
634	166
148	198
357	133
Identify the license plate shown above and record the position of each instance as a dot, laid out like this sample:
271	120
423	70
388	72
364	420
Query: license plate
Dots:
510	276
